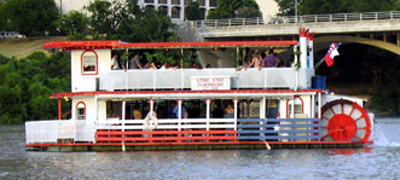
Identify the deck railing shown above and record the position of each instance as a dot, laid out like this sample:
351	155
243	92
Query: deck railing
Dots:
181	78
304	129
188	130
169	124
312	18
53	130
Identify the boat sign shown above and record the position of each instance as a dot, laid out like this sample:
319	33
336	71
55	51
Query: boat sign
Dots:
210	83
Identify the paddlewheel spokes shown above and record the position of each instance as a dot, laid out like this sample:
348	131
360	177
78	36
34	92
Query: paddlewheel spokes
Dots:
343	120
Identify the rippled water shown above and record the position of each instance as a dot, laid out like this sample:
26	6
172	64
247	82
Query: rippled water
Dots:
379	161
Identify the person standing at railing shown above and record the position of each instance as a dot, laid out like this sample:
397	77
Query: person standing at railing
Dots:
256	62
134	63
175	111
229	111
270	60
137	114
114	62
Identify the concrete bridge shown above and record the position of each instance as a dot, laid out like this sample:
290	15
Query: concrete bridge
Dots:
378	29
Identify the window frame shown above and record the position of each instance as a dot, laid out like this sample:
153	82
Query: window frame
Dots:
77	110
96	69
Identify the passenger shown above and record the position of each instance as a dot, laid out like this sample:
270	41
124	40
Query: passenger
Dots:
150	65
270	60
134	62
194	112
257	62
175	111
176	66
217	111
281	64
244	66
164	66
156	63
208	66
137	114
278	60
114	62
195	66
229	111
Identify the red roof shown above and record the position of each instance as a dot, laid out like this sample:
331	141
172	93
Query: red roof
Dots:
71	45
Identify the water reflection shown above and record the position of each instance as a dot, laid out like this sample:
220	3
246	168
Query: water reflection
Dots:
376	162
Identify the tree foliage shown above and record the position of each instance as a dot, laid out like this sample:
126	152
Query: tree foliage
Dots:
234	8
193	11
26	85
29	17
126	21
74	24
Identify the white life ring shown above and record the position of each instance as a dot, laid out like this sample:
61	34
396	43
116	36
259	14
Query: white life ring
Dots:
151	121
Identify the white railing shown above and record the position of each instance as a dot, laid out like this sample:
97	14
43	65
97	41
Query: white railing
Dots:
53	130
312	18
83	131
169	124
180	78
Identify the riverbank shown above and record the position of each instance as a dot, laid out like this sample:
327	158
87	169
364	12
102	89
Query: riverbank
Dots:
21	48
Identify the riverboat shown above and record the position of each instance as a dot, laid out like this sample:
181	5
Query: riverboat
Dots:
214	108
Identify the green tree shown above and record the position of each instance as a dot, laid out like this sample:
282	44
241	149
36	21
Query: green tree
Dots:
74	24
232	8
126	21
26	85
105	17
150	27
2	17
248	12
193	11
30	17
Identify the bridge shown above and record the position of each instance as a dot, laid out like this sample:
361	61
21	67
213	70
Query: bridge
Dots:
378	29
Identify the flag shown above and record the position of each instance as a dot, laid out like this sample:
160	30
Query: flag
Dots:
332	53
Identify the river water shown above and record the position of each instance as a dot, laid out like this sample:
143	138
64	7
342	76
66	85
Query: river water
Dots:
378	161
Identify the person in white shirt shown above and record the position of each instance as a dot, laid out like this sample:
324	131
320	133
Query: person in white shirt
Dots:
114	62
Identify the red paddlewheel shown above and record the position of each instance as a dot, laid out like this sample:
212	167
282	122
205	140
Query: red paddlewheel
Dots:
343	120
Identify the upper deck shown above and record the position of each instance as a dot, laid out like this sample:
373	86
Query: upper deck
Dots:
91	62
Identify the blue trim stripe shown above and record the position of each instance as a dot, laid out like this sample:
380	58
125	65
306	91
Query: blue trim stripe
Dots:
279	129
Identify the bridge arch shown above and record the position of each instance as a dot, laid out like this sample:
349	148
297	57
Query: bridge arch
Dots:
323	42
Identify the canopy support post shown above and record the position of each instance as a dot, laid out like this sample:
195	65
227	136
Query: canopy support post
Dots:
59	109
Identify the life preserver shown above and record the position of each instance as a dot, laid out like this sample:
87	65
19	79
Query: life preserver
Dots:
151	121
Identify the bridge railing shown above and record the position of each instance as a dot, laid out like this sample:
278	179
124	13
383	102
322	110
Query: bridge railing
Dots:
312	18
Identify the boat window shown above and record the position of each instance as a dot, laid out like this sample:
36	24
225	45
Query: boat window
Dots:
80	111
196	108
249	108
298	107
222	109
114	109
89	63
272	108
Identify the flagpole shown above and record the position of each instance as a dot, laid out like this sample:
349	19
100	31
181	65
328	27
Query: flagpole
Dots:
319	63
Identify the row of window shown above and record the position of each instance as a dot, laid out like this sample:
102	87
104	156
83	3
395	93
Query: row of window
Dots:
246	108
212	3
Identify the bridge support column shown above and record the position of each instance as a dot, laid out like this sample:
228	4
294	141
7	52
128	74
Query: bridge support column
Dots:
398	39
384	37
